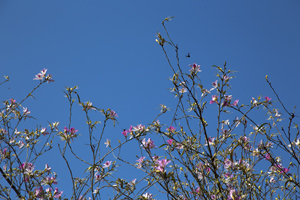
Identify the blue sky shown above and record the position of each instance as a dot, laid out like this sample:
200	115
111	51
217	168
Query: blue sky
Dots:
108	49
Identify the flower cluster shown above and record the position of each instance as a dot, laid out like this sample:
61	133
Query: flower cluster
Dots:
42	75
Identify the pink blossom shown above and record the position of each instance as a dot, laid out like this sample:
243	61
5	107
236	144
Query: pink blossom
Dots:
140	161
55	125
162	164
107	164
215	84
182	90
132	182
39	192
282	169
89	106
98	177
124	132
235	103
47	168
233	195
255	103
113	114
12	101
210	141
170	141
214	99
26	111
20	144
226	78
44	131
130	129
227	100
195	68
27	167
57	194
227	163
38	77
66	130
148	196
4	151
48	190
171	129
73	131
277	113
148	145
44	71
268	98
49	181
179	146
285	170
49	78
139	127
42	74
268	157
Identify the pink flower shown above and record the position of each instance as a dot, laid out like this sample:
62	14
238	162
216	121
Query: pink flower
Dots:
48	190
98	177
254	102
277	113
113	114
49	78
162	164
27	167
139	127
57	194
285	170
195	68
107	164
44	131
124	132
148	145
39	192
215	84
226	78
89	106
49	181
20	144
268	157
38	77
170	141
47	168
210	141
182	90
140	161
227	100
73	131
66	130
42	75
43	72
148	196
26	111
227	163
268	98
235	103
130	129
171	129
55	125
3	152
214	99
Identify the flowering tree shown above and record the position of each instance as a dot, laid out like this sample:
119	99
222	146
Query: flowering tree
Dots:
183	159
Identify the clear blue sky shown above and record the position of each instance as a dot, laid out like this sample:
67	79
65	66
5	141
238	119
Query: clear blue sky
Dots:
108	49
